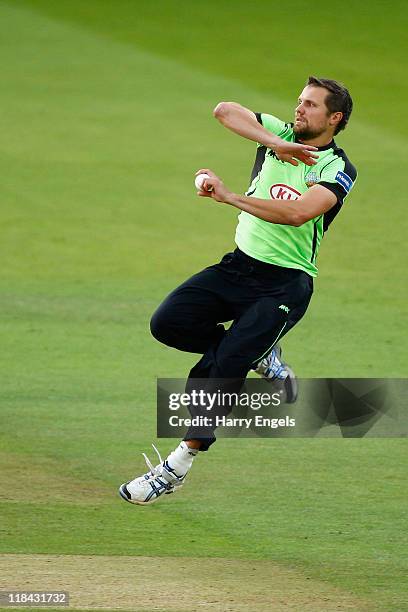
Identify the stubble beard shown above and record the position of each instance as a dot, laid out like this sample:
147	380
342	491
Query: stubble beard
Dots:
307	133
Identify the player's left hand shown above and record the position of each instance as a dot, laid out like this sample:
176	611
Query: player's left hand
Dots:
291	151
213	187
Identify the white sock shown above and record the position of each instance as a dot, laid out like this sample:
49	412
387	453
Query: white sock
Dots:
181	459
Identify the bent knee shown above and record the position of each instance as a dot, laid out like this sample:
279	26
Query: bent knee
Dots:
159	327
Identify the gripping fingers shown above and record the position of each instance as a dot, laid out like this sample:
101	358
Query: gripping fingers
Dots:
205	171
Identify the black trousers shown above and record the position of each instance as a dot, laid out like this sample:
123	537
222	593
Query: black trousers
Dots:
264	302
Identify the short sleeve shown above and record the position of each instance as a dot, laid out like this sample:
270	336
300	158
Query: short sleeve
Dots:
271	123
339	177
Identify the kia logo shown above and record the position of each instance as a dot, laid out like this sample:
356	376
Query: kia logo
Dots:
283	192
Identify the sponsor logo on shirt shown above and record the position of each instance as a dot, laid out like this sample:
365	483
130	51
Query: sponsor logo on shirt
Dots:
279	191
344	180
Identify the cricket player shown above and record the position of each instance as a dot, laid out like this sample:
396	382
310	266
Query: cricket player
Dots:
299	183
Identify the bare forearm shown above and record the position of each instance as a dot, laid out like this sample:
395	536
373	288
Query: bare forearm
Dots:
314	203
273	211
243	122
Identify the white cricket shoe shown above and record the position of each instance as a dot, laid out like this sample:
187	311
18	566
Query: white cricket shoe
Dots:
275	370
160	479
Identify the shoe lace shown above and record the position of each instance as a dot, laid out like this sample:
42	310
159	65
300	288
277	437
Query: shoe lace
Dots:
157	471
154	470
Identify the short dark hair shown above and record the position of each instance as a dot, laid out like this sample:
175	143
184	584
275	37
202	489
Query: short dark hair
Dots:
338	99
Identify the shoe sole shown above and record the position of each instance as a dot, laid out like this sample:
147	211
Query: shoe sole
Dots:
123	494
291	386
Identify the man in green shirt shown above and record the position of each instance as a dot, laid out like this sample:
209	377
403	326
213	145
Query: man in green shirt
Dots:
299	182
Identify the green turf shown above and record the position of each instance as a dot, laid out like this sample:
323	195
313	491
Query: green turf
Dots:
106	114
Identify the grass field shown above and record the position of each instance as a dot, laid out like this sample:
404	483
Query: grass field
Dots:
106	115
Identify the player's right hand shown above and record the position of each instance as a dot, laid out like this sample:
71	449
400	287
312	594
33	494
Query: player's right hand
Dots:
213	187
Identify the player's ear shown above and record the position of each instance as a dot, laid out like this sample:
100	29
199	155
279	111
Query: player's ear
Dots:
335	118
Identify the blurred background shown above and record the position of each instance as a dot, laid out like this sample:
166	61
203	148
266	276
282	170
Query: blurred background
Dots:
106	113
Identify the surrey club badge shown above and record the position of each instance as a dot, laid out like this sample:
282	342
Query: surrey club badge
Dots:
311	179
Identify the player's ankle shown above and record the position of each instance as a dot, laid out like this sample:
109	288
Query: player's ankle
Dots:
180	460
194	444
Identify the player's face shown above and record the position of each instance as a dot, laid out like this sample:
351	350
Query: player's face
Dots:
312	117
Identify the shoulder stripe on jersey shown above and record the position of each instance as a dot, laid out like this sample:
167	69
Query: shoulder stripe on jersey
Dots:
348	166
314	243
259	160
336	188
329	162
330	214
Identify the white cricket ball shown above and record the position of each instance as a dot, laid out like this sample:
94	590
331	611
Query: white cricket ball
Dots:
199	180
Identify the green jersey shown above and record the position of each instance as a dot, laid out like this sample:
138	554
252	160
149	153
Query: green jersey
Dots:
286	245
